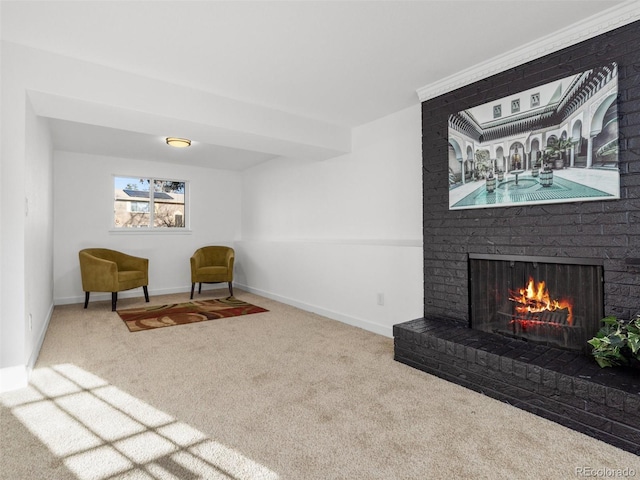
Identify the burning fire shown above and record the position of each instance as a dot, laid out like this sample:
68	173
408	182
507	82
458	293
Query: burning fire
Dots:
535	298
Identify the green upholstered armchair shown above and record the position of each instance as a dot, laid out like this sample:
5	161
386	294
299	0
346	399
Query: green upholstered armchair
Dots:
212	265
105	270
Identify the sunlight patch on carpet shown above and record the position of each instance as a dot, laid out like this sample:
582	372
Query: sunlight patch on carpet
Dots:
101	432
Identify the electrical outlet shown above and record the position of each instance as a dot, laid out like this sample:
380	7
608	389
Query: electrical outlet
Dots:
381	299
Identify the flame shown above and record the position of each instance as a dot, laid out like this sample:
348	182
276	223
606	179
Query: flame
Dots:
535	298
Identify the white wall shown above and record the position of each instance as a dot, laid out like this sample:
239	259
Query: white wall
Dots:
13	371
330	236
27	218
38	211
83	206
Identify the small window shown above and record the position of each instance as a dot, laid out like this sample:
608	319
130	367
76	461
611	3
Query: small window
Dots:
138	207
535	100
515	106
149	203
497	111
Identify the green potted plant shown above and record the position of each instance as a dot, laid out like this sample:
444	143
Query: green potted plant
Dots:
617	343
557	150
482	163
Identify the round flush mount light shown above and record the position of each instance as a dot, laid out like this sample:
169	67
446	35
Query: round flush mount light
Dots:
178	142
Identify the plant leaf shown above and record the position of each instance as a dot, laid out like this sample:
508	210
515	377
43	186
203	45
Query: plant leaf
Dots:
616	341
603	362
610	320
633	341
595	342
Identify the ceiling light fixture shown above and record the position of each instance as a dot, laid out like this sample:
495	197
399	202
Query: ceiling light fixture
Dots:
178	142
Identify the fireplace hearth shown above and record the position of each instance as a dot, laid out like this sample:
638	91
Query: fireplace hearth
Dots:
525	344
561	385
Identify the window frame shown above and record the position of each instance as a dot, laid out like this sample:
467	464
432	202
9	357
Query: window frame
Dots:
150	228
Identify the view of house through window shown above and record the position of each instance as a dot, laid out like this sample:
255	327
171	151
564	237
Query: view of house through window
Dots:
149	203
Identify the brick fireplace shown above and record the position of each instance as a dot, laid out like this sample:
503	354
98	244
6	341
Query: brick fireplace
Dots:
561	384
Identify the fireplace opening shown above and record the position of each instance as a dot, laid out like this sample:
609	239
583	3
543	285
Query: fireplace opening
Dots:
553	301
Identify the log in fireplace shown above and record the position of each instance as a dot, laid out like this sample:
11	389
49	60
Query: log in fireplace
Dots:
557	302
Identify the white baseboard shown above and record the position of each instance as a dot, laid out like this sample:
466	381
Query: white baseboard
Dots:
40	340
100	296
349	320
13	378
16	377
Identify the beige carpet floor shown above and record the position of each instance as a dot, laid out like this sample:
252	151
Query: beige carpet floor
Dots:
284	394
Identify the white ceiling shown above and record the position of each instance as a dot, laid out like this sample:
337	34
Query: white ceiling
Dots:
99	140
341	62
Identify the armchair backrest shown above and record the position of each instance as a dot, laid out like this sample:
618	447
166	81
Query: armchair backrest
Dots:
213	256
103	253
99	268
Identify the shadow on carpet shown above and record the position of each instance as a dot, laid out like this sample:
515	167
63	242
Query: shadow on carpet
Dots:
147	318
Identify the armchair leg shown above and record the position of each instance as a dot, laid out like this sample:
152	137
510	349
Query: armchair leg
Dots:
193	286
200	287
146	293
114	300
86	299
230	289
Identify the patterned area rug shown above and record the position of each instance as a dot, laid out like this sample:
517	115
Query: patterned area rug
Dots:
146	318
